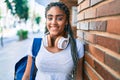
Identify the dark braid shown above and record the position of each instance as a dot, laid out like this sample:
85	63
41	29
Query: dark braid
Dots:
74	52
68	29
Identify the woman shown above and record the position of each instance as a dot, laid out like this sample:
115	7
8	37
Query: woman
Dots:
60	53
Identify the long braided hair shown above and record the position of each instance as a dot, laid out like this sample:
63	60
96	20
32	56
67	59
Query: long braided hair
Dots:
67	29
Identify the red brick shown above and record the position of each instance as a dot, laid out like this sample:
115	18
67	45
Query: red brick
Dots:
89	60
78	26
78	8
85	4
93	2
104	72
79	1
90	13
98	25
110	43
80	16
80	34
98	54
84	25
70	3
113	26
113	63
112	8
90	72
89	37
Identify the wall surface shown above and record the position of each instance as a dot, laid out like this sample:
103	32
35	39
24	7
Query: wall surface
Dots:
99	26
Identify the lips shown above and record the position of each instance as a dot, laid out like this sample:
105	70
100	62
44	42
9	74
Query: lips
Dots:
53	28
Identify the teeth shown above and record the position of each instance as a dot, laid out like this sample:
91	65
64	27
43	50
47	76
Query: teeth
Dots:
53	28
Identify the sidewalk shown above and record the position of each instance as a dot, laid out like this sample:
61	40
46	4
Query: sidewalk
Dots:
10	54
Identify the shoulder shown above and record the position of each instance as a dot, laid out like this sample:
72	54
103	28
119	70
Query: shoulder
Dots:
80	47
79	42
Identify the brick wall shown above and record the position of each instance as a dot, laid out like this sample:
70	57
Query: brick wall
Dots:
99	26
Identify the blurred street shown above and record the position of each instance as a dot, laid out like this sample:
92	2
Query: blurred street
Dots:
12	51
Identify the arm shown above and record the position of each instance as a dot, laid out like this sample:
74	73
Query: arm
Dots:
26	75
79	75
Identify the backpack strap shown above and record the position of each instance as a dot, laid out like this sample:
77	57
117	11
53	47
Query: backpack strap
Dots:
36	46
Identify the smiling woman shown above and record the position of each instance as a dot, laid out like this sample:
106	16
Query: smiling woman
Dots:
60	53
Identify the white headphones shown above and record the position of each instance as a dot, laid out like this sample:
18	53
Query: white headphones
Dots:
60	42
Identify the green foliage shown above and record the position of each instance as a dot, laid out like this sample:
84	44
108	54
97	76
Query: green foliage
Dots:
21	8
23	34
9	6
38	19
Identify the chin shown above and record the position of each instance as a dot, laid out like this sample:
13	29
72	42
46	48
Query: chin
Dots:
54	35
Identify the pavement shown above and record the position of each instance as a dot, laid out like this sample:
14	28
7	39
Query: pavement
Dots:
10	54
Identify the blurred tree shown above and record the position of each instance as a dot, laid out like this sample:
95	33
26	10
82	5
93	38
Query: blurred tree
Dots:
37	19
19	7
9	6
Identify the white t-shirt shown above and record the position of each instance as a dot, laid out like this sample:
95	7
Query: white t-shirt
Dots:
56	66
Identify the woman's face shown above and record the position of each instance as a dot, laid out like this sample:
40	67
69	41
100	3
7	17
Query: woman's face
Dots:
56	21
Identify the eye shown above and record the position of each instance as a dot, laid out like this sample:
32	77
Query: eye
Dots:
59	18
49	18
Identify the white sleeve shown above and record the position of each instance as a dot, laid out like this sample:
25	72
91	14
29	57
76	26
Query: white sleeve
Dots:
80	48
29	50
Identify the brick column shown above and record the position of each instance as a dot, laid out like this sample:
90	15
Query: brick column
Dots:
99	26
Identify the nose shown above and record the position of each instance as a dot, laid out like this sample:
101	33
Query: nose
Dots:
54	21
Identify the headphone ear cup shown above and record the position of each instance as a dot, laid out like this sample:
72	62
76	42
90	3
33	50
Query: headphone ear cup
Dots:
62	42
47	41
57	40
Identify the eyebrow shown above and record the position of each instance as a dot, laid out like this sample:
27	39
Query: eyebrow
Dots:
50	15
